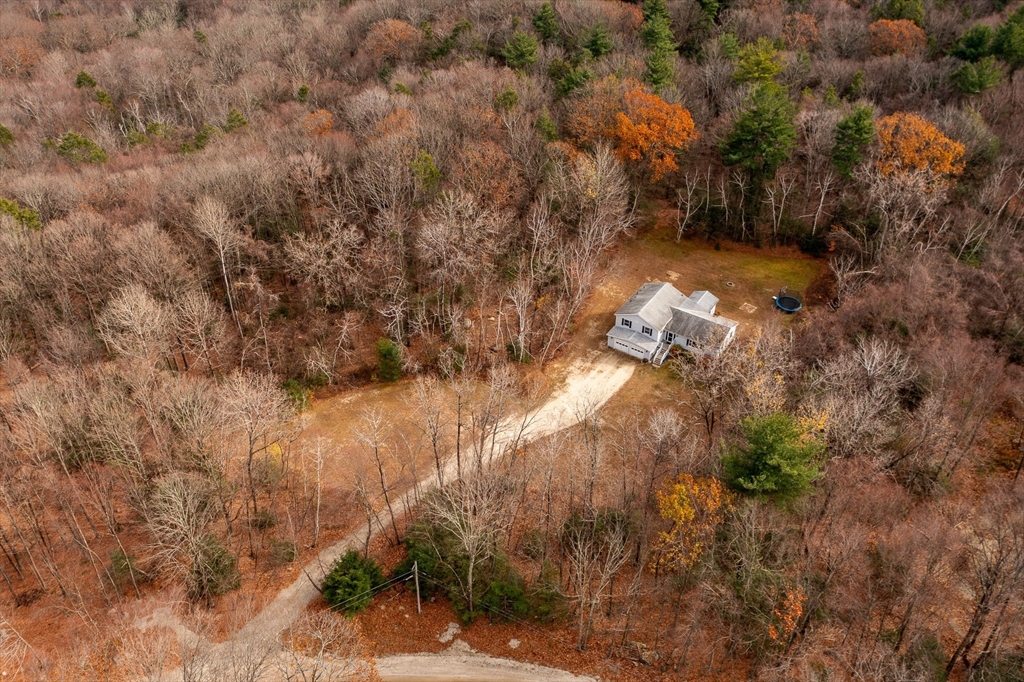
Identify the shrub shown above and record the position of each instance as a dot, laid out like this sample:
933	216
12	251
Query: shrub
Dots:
349	585
84	80
203	138
77	148
303	93
389	360
778	459
6	136
235	121
264	519
103	97
123	569
507	99
214	571
574	79
283	552
298	392
26	216
899	36
546	127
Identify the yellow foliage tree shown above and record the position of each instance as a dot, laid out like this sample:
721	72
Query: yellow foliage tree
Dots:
910	143
695	507
787	615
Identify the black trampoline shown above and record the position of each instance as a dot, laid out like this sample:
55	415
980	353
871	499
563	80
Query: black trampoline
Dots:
787	303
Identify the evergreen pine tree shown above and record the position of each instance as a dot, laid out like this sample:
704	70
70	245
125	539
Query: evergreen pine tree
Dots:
763	136
545	22
520	52
853	134
599	41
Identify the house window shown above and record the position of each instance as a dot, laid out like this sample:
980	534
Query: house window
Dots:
669	337
690	343
628	324
647	330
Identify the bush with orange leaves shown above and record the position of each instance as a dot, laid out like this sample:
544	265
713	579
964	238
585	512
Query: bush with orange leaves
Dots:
393	39
897	36
319	122
650	131
910	143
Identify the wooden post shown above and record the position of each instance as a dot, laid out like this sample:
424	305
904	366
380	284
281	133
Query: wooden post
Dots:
416	577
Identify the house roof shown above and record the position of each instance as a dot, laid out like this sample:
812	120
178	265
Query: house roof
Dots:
701	300
635	338
653	302
699	325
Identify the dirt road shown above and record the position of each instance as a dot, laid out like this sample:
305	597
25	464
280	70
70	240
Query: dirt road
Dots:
466	667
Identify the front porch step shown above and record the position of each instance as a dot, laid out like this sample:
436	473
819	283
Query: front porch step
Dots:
660	354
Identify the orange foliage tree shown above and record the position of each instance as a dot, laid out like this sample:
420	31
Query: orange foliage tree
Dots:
650	131
910	143
392	39
18	56
319	122
801	32
644	128
695	506
897	36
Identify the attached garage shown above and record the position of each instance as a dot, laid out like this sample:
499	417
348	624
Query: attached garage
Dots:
631	343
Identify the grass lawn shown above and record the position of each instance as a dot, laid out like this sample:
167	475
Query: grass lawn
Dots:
755	276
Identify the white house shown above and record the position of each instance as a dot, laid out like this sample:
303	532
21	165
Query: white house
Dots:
658	316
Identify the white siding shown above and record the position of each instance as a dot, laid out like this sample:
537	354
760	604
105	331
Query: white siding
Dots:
628	348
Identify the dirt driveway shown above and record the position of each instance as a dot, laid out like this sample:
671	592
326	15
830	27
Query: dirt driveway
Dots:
591	379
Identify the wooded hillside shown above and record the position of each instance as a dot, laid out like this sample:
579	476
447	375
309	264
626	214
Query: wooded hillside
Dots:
210	210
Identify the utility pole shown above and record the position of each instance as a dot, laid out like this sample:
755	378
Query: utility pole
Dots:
416	577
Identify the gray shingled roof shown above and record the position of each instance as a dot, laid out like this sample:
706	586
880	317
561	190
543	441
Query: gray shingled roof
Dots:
635	338
698	325
703	300
653	302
